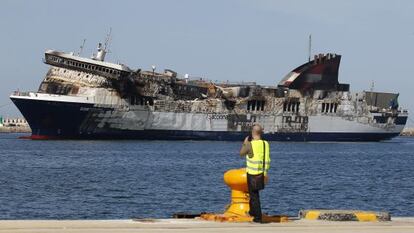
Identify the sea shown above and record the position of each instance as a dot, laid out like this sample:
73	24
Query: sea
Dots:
155	179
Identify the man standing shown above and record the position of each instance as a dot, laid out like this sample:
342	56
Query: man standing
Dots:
257	154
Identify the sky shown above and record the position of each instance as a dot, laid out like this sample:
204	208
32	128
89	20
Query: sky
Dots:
257	40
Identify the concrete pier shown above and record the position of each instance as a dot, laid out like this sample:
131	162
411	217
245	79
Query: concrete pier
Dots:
400	225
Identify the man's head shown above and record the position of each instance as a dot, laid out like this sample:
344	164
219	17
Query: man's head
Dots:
257	130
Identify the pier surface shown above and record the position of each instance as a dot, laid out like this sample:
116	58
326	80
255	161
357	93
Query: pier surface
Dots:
399	225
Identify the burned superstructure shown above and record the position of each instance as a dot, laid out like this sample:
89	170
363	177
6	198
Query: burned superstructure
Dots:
90	98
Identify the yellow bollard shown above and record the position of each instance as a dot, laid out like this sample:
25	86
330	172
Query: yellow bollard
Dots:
236	179
238	209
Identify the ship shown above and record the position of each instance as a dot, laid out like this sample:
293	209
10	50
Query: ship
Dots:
90	98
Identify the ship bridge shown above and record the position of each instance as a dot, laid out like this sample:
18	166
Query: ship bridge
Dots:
94	66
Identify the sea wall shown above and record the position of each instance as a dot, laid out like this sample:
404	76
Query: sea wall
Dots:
408	132
15	129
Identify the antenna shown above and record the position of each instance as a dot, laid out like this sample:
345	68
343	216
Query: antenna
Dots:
108	39
372	92
310	48
81	47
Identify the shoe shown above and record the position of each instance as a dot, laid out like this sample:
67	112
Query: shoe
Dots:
261	221
257	220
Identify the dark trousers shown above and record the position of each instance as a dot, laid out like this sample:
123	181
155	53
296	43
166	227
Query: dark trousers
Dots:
254	202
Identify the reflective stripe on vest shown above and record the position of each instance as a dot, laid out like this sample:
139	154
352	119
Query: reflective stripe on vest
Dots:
257	162
254	165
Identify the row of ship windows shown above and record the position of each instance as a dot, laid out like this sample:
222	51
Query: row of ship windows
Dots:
255	105
84	65
138	100
187	88
252	105
329	107
294	107
291	106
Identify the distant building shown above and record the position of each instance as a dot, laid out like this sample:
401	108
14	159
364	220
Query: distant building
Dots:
10	122
14	125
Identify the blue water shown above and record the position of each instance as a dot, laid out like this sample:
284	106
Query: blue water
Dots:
125	179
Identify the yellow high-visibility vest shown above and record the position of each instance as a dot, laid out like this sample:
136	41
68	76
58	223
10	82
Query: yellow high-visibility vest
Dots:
254	165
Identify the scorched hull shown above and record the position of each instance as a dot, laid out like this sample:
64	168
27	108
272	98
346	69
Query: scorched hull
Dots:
69	120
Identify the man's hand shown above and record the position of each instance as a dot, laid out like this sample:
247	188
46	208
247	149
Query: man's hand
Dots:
246	147
246	140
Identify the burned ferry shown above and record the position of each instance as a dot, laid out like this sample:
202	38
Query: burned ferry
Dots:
89	98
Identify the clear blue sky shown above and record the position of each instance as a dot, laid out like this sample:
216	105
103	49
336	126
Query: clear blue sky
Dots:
224	40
